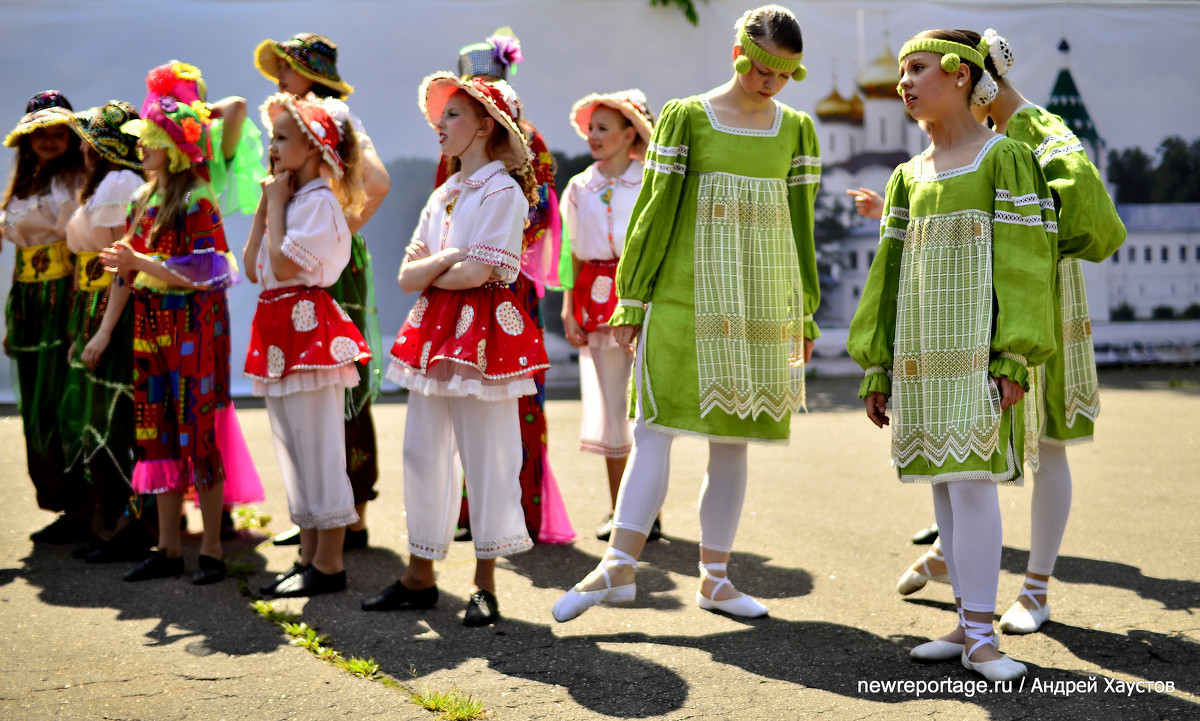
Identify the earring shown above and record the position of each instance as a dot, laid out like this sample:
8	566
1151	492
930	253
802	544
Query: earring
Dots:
960	83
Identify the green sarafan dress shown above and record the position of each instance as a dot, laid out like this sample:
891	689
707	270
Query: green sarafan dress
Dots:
961	290
1064	393
720	271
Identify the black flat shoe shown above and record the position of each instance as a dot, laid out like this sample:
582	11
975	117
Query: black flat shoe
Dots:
354	540
398	597
62	530
926	536
156	566
463	534
655	531
290	537
269	589
211	570
482	609
311	582
604	530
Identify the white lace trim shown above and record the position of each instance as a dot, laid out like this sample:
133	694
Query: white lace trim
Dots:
630	303
1052	140
897	233
1063	150
667	149
806	160
898	213
323	521
345	376
459	386
679	168
806	179
1003	216
721	127
920	175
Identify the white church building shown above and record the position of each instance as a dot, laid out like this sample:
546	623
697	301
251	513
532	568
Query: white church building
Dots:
865	135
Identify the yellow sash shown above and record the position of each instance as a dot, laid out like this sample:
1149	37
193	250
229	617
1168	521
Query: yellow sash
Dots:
39	263
90	273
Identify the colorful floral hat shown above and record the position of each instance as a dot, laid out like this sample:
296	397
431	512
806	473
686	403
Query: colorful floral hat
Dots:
178	80
178	128
497	97
494	56
323	122
629	103
43	110
101	128
313	56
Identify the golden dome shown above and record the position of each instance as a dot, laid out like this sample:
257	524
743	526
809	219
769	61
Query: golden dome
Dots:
879	77
835	107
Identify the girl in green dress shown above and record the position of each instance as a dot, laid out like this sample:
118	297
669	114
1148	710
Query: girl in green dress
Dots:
958	306
1064	391
718	282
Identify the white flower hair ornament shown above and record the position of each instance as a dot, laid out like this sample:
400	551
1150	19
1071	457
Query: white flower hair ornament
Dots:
1000	50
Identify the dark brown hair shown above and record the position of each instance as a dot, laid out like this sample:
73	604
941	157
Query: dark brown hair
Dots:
29	180
773	24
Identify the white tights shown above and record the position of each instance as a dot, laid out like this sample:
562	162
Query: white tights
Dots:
1050	507
644	487
968	517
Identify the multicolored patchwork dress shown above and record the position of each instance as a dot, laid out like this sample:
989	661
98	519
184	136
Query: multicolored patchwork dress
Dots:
961	290
37	314
720	270
1065	395
97	405
186	430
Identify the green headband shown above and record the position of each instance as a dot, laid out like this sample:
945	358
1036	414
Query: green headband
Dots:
953	54
750	49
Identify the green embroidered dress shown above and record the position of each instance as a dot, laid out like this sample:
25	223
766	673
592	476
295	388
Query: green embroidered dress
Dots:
961	289
720	271
1065	392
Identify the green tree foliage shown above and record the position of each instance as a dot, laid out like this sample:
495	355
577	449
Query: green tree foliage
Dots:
687	7
1175	178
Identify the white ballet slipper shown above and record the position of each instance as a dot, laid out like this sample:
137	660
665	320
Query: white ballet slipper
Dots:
913	581
1001	669
740	605
937	650
574	602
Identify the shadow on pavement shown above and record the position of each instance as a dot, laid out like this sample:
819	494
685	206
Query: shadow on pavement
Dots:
1174	594
208	619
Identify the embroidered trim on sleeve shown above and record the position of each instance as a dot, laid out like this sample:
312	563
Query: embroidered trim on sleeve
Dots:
667	169
805	179
1003	216
1015	357
1063	150
898	213
1051	226
630	303
499	190
873	370
897	233
806	160
299	255
1051	140
491	255
667	149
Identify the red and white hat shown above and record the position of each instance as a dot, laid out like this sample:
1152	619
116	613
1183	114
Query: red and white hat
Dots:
497	96
629	103
321	119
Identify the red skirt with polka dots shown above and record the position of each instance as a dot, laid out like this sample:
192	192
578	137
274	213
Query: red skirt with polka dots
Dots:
301	328
483	328
595	293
